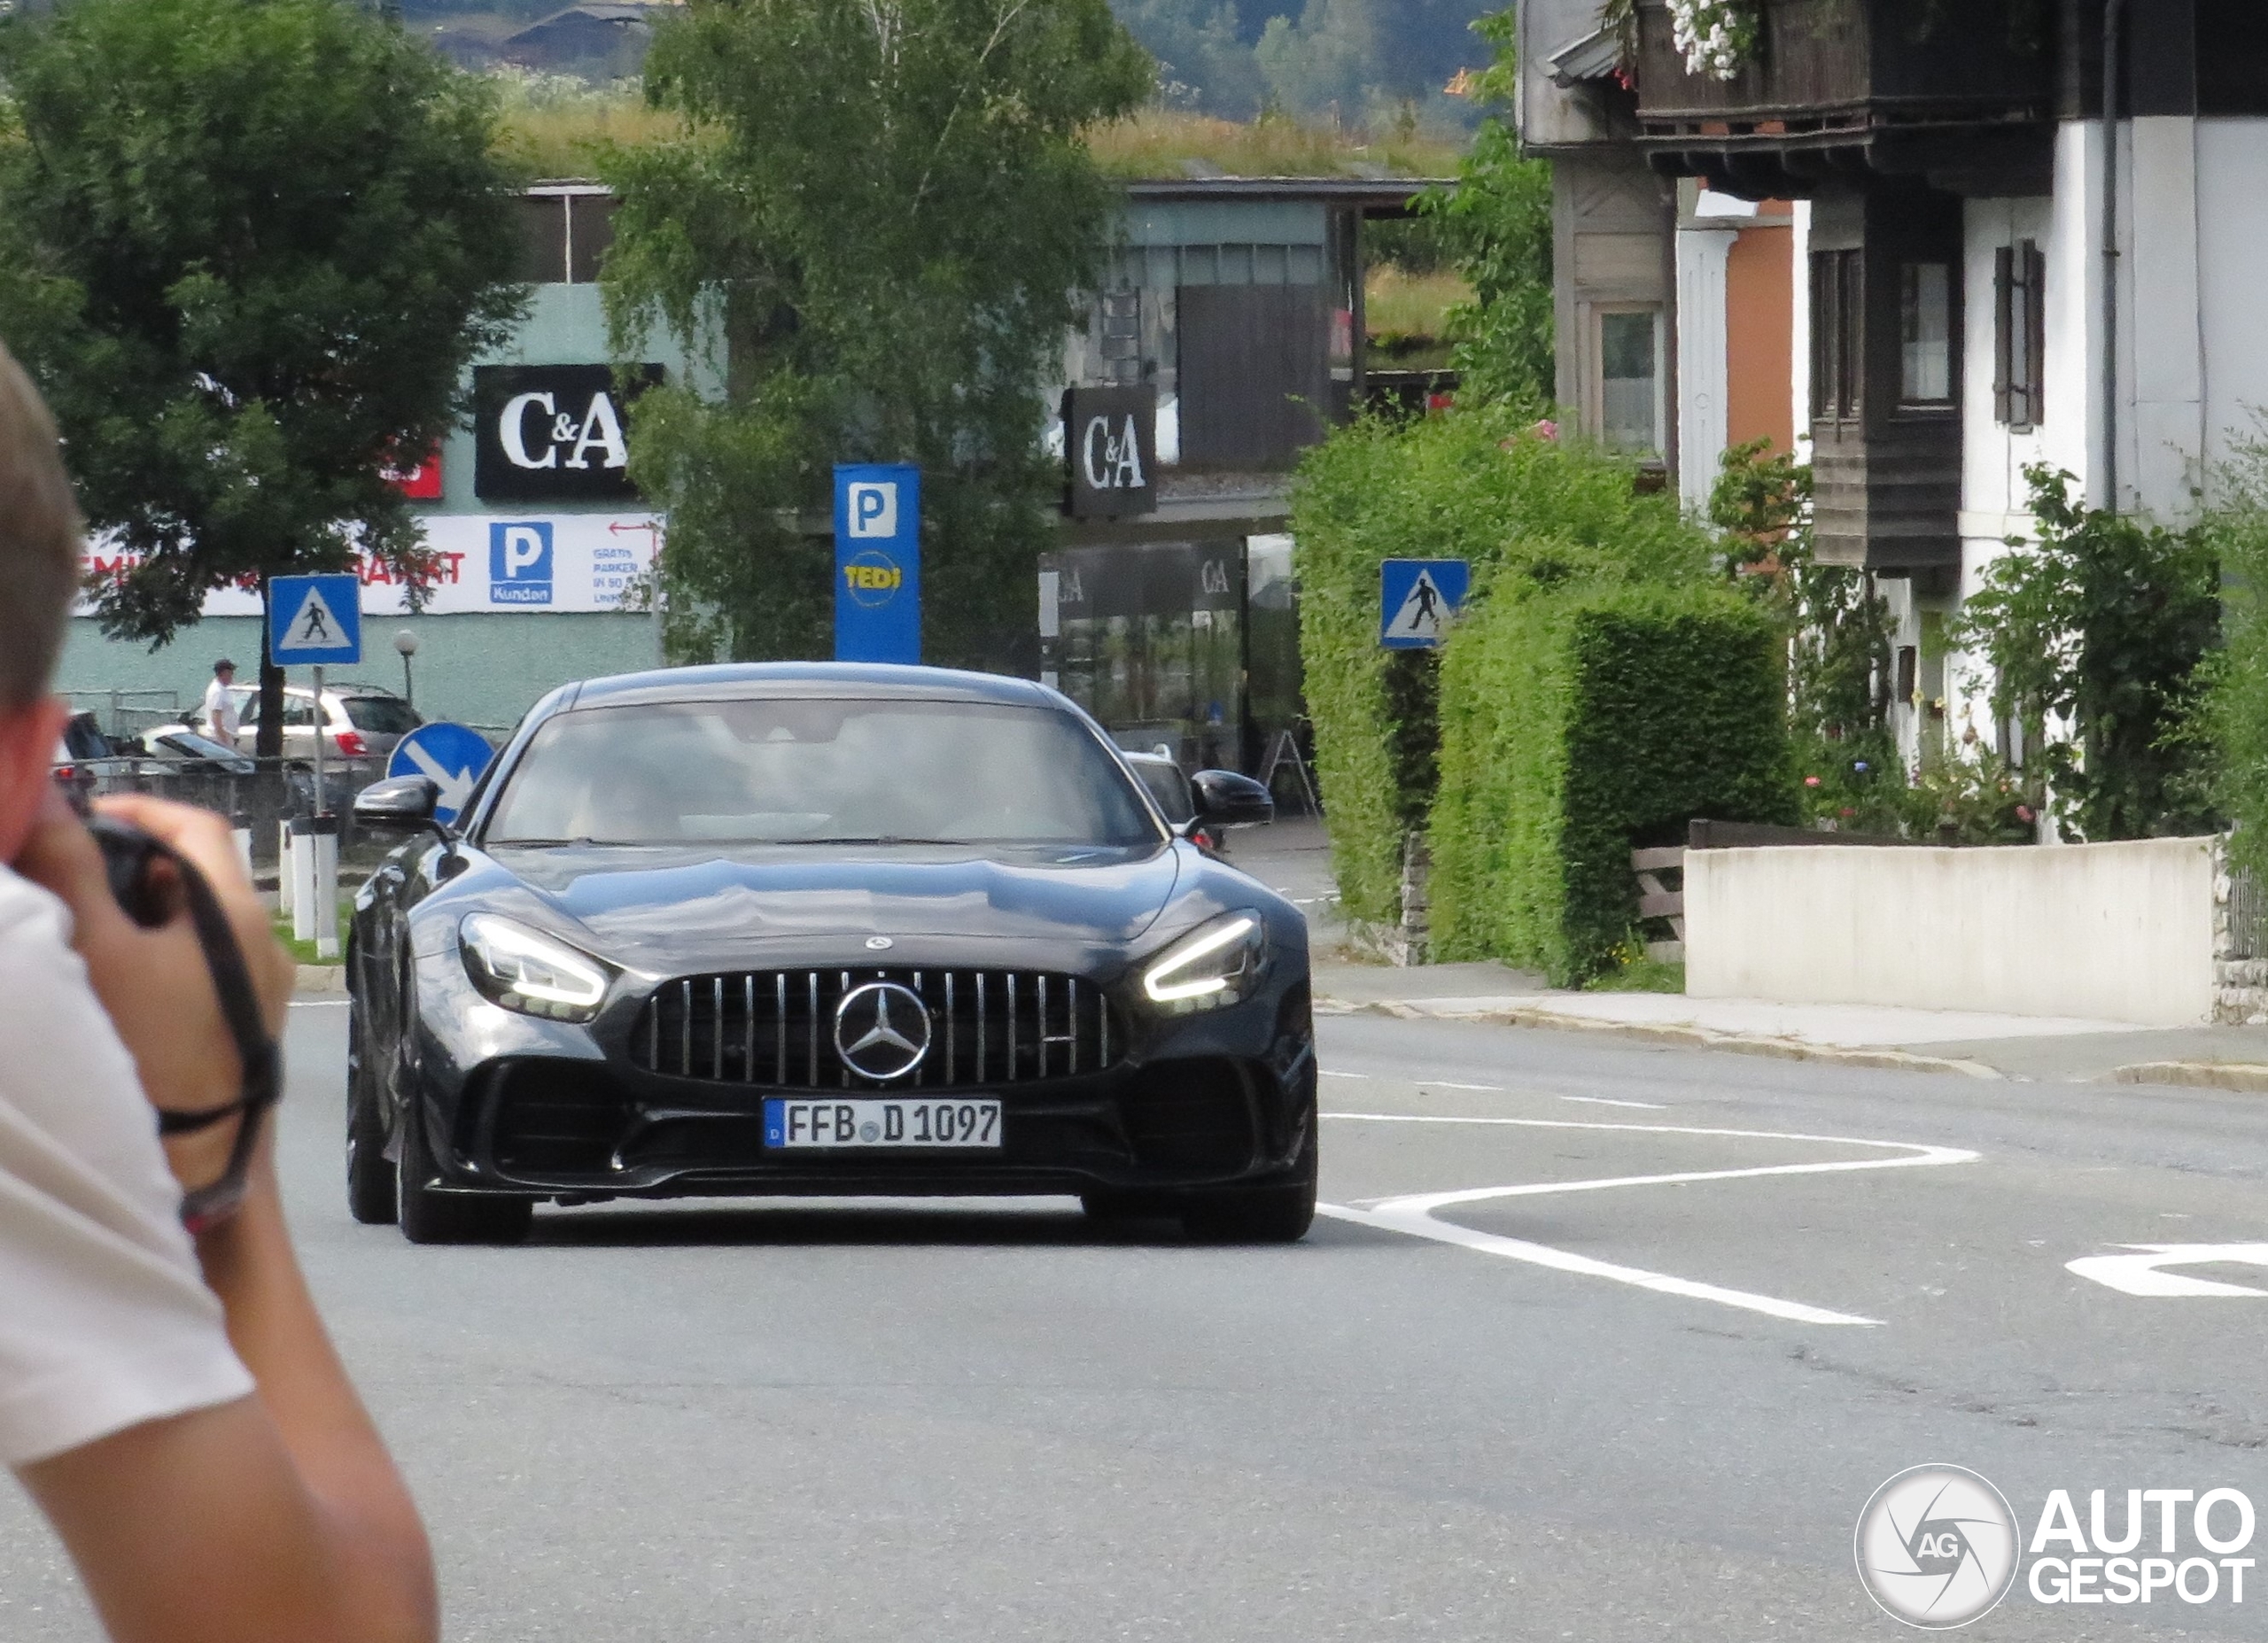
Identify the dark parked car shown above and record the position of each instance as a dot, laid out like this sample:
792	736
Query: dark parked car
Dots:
85	757
822	929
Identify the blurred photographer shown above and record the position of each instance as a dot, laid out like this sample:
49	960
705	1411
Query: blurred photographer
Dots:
170	1399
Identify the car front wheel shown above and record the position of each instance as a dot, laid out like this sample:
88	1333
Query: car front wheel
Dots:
1278	1213
431	1216
369	1173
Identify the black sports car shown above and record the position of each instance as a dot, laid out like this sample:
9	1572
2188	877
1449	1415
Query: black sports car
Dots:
821	929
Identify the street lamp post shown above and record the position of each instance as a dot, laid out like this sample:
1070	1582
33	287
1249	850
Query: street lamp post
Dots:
406	642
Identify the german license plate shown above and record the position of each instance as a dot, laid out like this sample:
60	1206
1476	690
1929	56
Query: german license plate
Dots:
895	1121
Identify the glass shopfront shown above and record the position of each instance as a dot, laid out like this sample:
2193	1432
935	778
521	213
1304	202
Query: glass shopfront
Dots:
1191	648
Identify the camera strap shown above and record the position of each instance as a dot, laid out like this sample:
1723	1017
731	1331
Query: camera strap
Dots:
255	1050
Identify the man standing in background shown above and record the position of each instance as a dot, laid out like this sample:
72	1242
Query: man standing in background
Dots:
221	718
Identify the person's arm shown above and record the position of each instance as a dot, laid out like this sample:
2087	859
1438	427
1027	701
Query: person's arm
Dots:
279	1516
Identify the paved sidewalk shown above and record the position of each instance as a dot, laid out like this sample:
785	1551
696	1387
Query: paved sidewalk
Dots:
1951	1041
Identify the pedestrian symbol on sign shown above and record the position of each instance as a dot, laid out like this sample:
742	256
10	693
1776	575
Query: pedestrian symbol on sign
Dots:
314	628
1417	599
1421	612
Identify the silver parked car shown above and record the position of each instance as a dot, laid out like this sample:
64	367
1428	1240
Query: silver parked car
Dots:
360	721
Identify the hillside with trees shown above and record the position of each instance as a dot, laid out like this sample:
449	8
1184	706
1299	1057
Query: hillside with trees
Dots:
1354	62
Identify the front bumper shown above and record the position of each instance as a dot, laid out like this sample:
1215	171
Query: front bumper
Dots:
530	1108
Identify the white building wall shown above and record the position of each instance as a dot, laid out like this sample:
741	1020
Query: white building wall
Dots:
1799	330
2232	162
1702	255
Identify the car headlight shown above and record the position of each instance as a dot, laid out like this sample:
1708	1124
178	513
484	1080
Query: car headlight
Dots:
530	972
1216	964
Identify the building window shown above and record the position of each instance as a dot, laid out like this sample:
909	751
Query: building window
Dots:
1118	336
2019	336
1838	335
1630	379
1925	327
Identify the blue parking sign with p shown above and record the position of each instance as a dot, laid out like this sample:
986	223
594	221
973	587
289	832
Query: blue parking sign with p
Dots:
519	561
877	563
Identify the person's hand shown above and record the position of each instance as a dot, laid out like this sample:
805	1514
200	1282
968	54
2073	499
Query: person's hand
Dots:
154	983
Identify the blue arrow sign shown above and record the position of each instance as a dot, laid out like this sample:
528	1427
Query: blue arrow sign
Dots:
314	621
1417	598
453	755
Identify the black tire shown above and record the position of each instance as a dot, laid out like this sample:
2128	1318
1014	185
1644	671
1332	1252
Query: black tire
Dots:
370	1175
433	1217
1278	1213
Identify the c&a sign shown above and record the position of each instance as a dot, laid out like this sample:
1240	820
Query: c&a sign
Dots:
552	433
1110	444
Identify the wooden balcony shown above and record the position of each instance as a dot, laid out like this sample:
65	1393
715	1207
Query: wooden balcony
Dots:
1844	87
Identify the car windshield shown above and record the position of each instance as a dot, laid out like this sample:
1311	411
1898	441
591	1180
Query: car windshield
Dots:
801	772
382	715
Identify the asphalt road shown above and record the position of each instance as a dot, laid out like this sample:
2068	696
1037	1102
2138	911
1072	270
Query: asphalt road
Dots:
1582	1410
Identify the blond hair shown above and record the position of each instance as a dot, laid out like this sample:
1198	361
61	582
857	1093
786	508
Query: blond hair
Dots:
39	541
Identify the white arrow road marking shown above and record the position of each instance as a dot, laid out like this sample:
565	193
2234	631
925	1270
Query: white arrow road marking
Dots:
2139	1275
1413	1214
454	789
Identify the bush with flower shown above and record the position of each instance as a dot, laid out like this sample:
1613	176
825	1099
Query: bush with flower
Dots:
1716	37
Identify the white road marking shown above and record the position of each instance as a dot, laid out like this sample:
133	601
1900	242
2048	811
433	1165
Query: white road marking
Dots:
1604	1101
2138	1274
1413	1214
1443	1083
1329	1073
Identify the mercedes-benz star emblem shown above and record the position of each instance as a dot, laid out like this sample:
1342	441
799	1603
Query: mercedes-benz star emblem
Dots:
881	1030
878	944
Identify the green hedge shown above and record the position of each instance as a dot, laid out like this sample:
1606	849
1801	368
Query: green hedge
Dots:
1576	724
1527	513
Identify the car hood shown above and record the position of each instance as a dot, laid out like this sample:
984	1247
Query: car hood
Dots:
665	907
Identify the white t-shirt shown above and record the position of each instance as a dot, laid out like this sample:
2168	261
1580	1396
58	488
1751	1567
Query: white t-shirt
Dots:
221	721
104	1321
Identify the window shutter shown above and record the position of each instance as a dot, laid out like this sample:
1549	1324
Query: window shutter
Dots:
2035	305
2005	319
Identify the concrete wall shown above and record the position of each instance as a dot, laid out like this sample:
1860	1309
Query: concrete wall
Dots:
2110	931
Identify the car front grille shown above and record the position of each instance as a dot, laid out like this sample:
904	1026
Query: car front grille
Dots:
776	1028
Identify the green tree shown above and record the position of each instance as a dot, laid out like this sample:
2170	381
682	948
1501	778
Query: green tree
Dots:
247	248
2102	625
1837	631
872	219
1329	59
1203	61
1498	221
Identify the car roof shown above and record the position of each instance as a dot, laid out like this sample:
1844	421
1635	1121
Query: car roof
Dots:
733	680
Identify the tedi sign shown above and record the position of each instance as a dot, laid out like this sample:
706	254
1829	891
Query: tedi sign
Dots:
552	433
1110	444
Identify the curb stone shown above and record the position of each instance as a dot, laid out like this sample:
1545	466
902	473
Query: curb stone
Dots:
2237	1075
1699	1038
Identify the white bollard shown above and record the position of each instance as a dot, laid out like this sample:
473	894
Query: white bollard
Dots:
325	840
284	869
303	880
240	831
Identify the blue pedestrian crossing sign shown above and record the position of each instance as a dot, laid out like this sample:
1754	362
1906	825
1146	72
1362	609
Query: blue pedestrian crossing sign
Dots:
1417	599
314	621
452	755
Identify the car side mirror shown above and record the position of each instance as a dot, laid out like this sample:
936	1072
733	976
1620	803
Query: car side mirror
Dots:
398	804
1225	798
